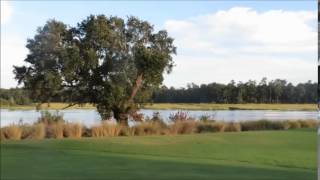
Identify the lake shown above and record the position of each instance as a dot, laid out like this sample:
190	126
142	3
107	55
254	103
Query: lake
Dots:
90	117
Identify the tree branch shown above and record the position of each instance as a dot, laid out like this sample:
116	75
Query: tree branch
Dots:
70	105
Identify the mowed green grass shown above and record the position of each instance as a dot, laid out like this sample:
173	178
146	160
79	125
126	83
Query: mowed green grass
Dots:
265	155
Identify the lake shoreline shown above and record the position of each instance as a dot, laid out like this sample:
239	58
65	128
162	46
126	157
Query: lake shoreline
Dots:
179	106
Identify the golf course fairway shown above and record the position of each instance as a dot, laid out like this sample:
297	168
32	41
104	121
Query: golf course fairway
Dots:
263	155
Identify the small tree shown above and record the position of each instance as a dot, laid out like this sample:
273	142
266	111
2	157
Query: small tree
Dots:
112	63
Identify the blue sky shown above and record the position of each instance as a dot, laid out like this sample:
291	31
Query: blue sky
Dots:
202	35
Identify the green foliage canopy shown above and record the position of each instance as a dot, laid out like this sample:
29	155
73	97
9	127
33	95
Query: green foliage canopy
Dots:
108	61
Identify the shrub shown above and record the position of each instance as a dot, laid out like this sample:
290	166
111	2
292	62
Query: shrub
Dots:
72	130
203	127
179	116
49	118
12	132
156	117
206	118
232	127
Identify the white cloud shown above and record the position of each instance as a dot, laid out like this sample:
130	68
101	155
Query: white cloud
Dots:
210	69
13	52
6	11
241	44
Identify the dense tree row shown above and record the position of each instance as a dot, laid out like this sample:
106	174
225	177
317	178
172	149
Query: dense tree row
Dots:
14	96
275	91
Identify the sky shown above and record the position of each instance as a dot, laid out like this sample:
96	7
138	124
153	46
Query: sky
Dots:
217	41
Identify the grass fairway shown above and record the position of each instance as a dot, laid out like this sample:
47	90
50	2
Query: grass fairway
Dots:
265	155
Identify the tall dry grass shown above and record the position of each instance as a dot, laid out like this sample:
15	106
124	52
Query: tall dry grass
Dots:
232	127
210	126
72	130
308	123
13	132
55	130
263	125
183	127
2	135
36	131
106	130
149	128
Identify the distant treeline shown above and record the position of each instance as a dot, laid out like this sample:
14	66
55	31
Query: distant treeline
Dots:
275	91
14	96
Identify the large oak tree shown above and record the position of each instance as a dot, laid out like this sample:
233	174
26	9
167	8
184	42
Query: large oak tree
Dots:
108	61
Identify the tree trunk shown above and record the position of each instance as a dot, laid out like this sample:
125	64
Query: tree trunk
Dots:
121	117
121	114
136	87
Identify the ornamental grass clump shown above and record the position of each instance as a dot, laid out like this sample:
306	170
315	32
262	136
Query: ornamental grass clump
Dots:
72	130
293	124
207	127
263	125
35	131
149	128
55	130
232	127
183	127
106	130
309	123
13	132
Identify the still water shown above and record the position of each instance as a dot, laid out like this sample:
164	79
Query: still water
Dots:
90	117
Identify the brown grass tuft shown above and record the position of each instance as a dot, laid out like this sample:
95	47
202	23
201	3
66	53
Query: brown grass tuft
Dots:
149	128
208	126
2	135
36	131
308	123
232	127
105	129
72	130
293	124
55	130
13	132
183	127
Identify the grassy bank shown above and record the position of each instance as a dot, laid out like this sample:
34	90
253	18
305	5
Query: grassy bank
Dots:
48	106
183	106
209	106
276	155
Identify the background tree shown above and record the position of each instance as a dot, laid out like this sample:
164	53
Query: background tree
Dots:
106	61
